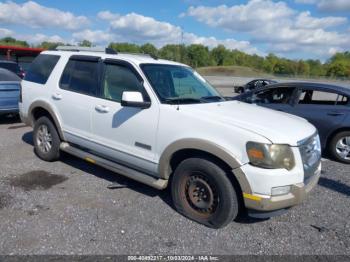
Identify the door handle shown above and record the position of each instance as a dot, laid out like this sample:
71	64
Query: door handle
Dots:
57	96
335	114
102	109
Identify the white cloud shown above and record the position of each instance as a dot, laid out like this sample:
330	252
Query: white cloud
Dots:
334	5
328	5
276	25
39	38
5	32
107	15
307	2
305	20
37	16
96	37
137	28
254	14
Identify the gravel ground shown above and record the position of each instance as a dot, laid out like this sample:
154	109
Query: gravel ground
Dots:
66	207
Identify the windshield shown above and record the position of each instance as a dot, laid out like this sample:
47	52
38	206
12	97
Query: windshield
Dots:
179	84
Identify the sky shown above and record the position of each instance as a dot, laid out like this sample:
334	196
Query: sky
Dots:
296	29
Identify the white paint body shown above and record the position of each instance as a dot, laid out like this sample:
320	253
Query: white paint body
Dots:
112	130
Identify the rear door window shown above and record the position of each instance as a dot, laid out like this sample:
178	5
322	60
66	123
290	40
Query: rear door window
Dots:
316	97
81	76
41	68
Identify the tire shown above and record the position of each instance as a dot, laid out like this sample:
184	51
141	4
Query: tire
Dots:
46	140
202	192
339	147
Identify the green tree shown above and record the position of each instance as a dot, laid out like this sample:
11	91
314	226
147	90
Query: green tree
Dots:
199	55
13	42
125	47
85	43
220	54
49	45
149	49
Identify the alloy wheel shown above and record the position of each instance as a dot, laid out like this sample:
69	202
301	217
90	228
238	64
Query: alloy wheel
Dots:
44	139
343	148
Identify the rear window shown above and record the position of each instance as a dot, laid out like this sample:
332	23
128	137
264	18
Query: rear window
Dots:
10	66
41	68
81	77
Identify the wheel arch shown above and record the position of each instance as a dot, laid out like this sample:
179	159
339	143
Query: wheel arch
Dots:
334	133
185	148
42	108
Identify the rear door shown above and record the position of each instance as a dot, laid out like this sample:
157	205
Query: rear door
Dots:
9	96
326	110
76	95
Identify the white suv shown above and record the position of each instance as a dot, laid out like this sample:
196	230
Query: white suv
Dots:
161	123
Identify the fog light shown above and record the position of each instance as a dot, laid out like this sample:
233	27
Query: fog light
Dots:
282	190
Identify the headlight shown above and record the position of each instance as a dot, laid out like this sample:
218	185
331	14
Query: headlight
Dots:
270	155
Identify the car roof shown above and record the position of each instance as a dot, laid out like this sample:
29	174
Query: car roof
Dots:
129	57
263	79
312	85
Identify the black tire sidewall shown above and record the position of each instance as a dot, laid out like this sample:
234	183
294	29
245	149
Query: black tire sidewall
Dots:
54	153
332	146
228	206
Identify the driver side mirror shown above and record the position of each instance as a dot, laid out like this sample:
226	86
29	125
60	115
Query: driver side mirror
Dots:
134	99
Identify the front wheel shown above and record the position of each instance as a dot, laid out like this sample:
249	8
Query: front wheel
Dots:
46	140
202	192
339	147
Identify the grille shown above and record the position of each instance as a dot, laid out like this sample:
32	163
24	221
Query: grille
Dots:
310	150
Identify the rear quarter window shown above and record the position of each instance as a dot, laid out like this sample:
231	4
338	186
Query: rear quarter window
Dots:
41	68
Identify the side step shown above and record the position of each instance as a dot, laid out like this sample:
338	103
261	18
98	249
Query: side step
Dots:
117	168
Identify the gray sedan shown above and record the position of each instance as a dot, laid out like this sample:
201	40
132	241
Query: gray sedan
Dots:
325	106
9	92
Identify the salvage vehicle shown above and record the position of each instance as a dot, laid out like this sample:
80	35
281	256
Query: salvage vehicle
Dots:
159	122
326	106
9	92
254	84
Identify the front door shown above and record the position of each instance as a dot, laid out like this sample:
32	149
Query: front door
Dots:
124	134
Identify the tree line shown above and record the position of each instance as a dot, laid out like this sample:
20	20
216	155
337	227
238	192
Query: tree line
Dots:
198	55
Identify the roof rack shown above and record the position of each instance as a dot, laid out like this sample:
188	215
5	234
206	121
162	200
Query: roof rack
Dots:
107	50
86	49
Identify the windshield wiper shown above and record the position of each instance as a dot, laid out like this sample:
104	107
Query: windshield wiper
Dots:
183	100
213	98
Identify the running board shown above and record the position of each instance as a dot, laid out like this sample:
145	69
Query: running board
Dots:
117	168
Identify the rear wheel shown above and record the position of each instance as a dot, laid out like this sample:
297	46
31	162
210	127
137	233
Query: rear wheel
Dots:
46	140
339	147
202	192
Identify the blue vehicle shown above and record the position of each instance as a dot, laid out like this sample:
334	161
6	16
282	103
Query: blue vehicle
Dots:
327	107
10	86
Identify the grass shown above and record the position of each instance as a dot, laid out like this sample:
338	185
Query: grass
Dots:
241	71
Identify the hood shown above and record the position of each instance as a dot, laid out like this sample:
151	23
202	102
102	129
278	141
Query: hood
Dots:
278	127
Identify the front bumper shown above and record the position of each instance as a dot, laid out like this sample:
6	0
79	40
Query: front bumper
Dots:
297	194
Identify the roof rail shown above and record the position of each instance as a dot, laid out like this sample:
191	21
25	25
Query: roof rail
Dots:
140	54
86	49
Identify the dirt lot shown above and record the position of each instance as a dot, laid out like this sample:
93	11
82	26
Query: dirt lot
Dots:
66	207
